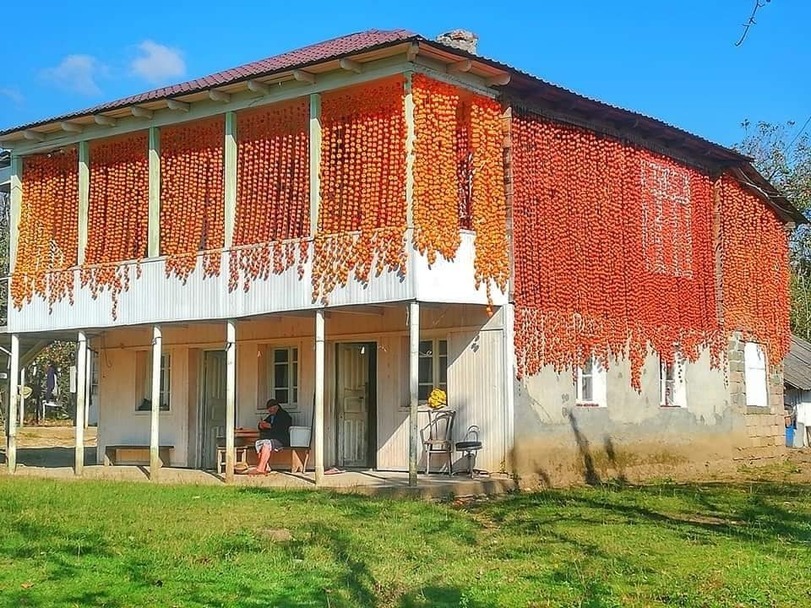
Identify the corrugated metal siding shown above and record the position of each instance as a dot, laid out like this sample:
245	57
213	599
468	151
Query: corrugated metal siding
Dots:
476	390
392	404
154	298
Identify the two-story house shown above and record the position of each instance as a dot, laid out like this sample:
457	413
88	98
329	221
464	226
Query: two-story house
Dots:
350	225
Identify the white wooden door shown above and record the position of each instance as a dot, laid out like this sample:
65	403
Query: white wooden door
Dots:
213	419
353	405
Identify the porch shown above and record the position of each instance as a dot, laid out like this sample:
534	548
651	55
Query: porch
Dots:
367	368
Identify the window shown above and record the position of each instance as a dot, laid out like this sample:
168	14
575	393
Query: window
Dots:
667	240
591	385
754	377
433	367
282	377
143	375
672	388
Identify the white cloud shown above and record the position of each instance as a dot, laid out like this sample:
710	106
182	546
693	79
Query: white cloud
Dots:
12	93
158	63
77	73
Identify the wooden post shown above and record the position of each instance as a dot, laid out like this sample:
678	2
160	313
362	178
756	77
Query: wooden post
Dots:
230	177
154	231
230	397
315	160
319	395
84	197
22	398
413	388
154	431
81	385
16	206
13	393
409	146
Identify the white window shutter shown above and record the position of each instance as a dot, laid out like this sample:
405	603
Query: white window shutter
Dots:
755	375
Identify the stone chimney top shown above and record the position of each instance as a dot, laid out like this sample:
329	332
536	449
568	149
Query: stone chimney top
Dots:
460	39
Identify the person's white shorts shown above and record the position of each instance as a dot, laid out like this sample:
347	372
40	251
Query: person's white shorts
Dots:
273	444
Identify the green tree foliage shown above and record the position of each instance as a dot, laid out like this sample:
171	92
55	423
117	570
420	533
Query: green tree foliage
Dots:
782	153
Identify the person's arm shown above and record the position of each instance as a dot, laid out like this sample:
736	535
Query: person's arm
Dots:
264	423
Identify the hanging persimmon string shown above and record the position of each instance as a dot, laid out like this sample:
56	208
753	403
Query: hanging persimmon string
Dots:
118	213
49	228
273	190
192	194
362	217
459	177
613	251
756	273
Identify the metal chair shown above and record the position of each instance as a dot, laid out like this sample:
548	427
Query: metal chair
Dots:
469	446
437	437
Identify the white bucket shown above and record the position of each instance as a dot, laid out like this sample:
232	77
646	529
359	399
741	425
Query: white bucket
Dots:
299	436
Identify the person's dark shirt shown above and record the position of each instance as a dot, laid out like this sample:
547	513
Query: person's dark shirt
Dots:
279	429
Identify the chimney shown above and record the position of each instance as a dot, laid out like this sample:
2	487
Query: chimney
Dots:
460	39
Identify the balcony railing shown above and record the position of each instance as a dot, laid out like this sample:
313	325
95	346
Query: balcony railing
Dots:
146	295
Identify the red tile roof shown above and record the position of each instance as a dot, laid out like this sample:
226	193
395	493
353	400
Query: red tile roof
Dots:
314	53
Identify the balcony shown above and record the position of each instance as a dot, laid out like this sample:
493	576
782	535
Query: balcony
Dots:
154	298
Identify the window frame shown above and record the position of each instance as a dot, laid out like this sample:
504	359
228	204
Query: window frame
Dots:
599	388
269	387
750	367
436	366
679	382
144	375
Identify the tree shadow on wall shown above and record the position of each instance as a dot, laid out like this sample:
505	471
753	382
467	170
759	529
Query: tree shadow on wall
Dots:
590	474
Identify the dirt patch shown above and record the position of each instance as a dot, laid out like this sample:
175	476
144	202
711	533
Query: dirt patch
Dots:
53	436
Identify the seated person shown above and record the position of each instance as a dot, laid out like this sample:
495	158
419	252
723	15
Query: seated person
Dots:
274	434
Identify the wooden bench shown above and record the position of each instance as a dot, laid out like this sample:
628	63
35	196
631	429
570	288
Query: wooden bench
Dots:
245	453
135	454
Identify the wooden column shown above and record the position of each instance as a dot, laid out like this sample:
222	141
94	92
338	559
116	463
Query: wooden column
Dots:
409	145
319	395
413	388
22	397
13	393
84	197
154	231
230	397
16	206
230	177
315	160
81	387
154	430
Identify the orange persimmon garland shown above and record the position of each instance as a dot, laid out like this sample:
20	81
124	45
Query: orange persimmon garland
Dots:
362	217
192	194
755	269
49	228
459	177
613	251
118	213
273	192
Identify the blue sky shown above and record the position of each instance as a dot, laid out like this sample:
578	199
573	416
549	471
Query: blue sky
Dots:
674	60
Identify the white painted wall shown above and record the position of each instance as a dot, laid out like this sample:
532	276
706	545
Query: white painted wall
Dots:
475	383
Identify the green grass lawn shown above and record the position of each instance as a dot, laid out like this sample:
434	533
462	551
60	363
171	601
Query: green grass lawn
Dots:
120	544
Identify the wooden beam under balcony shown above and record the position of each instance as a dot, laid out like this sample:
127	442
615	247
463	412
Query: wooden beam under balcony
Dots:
350	66
105	121
258	87
71	127
33	135
303	76
459	67
499	80
220	96
177	106
140	112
